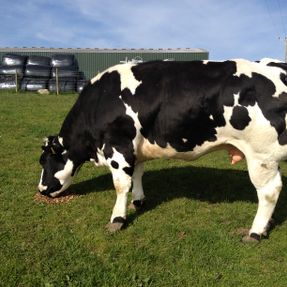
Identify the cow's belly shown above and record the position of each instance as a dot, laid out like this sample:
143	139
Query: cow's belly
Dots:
147	151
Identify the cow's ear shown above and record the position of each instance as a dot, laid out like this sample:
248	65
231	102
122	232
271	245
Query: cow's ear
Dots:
56	146
46	144
52	145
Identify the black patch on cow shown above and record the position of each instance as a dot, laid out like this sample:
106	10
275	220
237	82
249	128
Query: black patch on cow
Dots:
282	66
176	100
240	118
108	151
283	138
283	78
273	108
114	164
129	170
119	219
98	121
247	96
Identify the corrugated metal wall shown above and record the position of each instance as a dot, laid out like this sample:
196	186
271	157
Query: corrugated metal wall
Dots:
92	61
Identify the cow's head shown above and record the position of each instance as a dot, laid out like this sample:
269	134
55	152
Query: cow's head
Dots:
57	169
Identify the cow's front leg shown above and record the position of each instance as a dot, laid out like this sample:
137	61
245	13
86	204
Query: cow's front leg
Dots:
267	179
137	190
122	183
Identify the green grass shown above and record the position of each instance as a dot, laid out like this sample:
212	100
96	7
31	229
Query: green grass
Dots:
187	236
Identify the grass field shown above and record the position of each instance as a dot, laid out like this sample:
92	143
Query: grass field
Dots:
189	234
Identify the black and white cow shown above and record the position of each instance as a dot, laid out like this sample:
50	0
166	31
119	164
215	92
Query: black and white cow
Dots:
131	113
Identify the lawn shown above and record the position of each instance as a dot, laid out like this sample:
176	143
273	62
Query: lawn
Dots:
188	235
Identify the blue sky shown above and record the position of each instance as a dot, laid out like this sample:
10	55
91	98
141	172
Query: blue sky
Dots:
250	29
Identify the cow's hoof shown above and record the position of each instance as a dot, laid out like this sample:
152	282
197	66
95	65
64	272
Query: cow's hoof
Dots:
117	224
252	238
137	205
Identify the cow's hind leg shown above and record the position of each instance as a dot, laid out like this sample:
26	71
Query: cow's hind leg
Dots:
266	178
137	189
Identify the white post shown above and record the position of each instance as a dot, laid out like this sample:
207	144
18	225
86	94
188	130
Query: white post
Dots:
57	82
16	80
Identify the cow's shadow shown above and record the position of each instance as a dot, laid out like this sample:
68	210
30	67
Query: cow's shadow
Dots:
197	183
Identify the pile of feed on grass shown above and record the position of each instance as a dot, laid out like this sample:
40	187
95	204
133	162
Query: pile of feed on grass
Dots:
63	198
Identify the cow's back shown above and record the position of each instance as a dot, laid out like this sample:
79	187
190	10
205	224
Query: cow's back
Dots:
182	105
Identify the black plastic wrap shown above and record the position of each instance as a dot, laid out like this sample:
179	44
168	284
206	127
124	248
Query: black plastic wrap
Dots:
29	84
64	60
6	84
39	61
37	71
65	72
12	70
67	85
13	60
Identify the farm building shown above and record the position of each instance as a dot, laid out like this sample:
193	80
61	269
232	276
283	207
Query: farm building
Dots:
92	61
84	64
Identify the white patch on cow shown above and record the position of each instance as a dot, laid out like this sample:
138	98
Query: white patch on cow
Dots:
266	61
101	157
244	67
205	62
42	187
267	180
122	183
184	140
127	77
137	191
211	117
236	98
65	177
65	173
45	141
137	125
119	158
61	141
